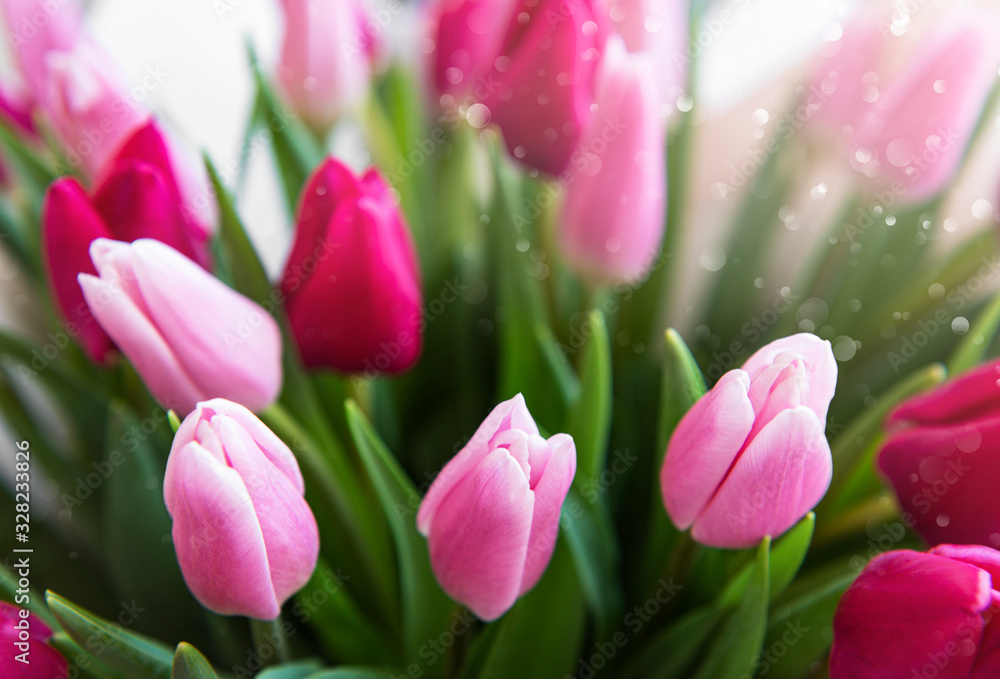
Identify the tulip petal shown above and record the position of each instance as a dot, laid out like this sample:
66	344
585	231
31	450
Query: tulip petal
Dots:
153	359
467	41
822	366
69	225
905	610
479	539
289	529
703	447
981	557
550	493
218	540
222	333
942	474
970	396
780	476
512	413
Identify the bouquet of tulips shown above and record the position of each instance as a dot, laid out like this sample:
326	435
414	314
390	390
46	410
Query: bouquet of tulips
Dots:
523	401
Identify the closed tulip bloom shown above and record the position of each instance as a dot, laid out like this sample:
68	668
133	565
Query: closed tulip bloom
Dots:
942	456
908	127
325	64
613	219
189	336
245	538
86	100
911	614
351	284
491	516
35	28
750	458
43	661
138	197
468	37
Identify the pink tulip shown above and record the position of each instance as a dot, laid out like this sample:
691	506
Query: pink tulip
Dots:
538	85
910	127
942	456
138	197
245	538
750	459
24	634
491	517
188	335
87	102
615	195
351	284
36	28
15	108
921	615
325	62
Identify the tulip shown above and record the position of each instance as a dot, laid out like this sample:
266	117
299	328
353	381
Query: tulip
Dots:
138	197
87	102
188	335
37	28
615	199
351	284
245	538
491	516
749	459
942	456
910	127
921	615
325	62
538	86
41	660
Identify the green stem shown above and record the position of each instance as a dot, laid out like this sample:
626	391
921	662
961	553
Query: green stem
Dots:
269	642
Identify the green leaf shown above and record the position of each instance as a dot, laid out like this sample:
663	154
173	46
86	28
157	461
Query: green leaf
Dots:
346	632
787	556
352	673
425	608
131	655
671	653
9	586
973	347
683	384
174	420
589	533
558	366
541	636
734	651
292	670
80	664
240	257
190	664
590	421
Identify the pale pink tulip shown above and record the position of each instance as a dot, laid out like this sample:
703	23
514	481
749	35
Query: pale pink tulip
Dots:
491	517
750	458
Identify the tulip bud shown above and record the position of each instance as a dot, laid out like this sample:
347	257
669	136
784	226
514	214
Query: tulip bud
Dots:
491	516
245	538
188	335
26	654
85	98
750	459
538	86
615	200
351	284
921	615
942	456
908	127
325	62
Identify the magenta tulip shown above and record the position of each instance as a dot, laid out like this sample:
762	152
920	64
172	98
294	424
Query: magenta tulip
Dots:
188	335
138	197
325	62
25	653
538	84
351	284
909	127
491	517
613	219
750	458
942	456
914	615
245	538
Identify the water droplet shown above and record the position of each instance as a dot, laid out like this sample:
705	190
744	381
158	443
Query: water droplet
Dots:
712	258
478	115
522	245
960	325
943	520
685	103
844	348
939	86
950	224
936	291
982	209
759	117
